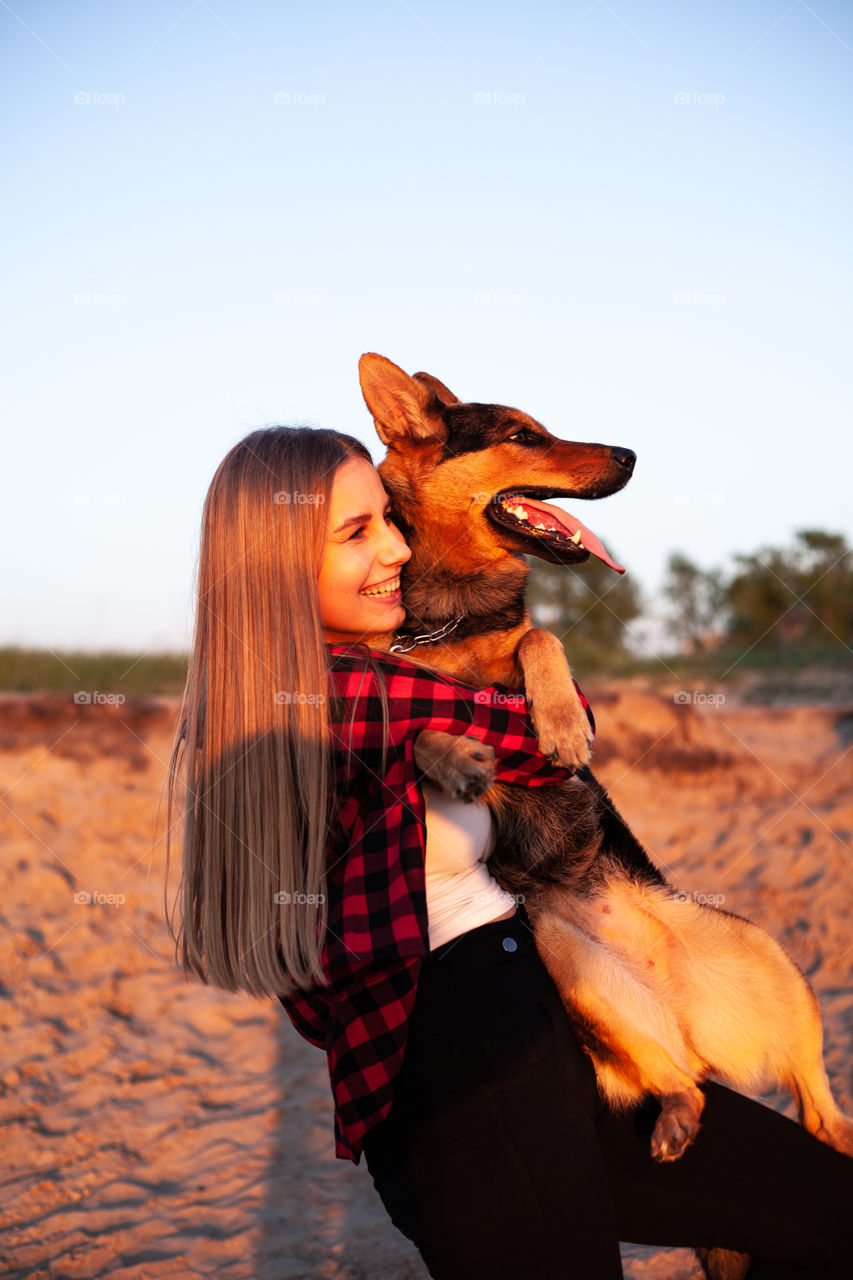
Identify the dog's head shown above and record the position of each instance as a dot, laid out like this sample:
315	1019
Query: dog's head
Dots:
487	465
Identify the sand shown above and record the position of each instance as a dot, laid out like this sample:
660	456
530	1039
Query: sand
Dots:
152	1127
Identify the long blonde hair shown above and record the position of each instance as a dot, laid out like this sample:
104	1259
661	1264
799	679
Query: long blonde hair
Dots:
254	741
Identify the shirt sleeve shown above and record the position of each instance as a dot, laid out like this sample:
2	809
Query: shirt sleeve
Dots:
309	1013
420	699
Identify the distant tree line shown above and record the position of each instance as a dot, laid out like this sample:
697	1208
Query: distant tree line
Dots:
772	601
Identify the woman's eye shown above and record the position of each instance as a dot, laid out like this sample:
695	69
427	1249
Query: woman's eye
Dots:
389	519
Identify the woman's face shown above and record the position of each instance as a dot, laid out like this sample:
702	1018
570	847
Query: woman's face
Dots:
362	559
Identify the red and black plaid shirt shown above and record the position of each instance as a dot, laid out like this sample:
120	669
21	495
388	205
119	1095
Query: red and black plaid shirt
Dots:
378	931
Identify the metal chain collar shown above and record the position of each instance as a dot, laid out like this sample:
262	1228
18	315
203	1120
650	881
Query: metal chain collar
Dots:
429	638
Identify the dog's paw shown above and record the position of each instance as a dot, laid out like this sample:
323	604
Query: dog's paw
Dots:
462	766
472	768
677	1126
564	734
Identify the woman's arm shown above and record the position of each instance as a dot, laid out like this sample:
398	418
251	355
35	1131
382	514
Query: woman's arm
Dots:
420	699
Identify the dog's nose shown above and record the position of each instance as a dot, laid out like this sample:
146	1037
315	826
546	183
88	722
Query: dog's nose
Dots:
625	457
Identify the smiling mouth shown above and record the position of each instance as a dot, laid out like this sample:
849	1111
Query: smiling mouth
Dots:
563	534
388	588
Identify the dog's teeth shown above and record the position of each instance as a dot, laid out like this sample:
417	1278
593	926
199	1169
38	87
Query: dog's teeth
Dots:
519	512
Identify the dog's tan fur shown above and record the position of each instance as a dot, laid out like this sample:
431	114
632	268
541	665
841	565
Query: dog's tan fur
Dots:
676	992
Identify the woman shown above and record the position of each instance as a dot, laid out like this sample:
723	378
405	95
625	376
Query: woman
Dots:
314	870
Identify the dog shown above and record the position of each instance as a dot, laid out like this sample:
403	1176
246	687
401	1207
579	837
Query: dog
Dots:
663	992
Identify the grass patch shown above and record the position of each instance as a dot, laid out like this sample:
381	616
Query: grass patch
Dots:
76	671
73	671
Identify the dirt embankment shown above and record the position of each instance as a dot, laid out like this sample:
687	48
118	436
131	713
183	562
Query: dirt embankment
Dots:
153	1127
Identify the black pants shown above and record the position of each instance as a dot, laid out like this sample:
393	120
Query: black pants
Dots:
498	1158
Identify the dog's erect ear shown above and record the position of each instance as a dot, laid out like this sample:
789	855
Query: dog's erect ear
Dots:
402	408
444	393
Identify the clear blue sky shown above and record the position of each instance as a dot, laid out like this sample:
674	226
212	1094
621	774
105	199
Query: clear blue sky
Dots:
633	220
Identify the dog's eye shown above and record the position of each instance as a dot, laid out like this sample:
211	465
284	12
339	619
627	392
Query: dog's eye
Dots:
522	436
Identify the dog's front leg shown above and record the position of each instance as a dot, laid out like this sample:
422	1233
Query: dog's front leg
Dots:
558	716
462	766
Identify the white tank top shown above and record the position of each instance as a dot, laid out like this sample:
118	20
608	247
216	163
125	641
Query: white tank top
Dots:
460	892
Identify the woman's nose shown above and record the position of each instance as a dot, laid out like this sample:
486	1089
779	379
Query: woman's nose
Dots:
396	549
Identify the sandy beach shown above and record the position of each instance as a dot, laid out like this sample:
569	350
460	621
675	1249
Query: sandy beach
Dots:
152	1127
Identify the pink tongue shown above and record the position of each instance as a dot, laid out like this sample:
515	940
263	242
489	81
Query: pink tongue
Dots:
553	517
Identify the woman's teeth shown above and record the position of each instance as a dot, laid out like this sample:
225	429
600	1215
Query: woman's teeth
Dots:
387	589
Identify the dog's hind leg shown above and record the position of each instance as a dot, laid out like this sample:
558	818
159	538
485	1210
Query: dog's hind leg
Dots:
677	1124
628	1064
616	1005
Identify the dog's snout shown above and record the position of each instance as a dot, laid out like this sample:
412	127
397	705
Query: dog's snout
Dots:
625	457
